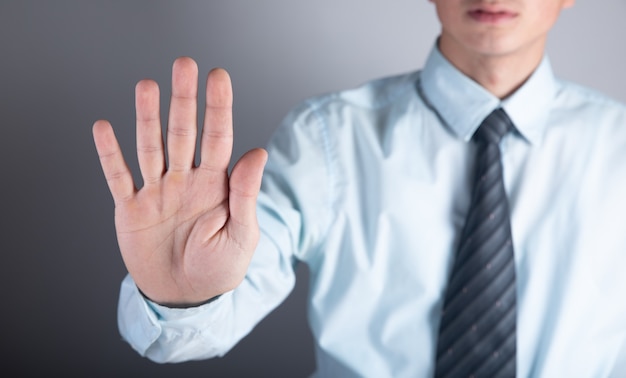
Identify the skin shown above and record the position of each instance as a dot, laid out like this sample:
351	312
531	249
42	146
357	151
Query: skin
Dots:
189	233
502	50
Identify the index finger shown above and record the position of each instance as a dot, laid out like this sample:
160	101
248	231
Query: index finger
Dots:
217	133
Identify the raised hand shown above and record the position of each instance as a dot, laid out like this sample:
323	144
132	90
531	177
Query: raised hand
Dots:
189	233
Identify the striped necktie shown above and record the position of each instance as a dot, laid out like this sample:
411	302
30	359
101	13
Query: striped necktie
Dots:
478	323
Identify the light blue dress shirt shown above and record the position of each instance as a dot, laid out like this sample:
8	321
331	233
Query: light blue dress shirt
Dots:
370	188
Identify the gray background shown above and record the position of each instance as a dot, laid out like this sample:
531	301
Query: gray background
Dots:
65	64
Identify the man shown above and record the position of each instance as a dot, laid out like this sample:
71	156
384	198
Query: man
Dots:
375	189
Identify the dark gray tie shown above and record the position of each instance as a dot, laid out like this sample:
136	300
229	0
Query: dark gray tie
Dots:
478	322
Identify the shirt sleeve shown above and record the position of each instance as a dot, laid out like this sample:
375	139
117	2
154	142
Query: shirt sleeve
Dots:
292	210
173	335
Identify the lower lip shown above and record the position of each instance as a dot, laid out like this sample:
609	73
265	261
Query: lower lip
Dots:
491	17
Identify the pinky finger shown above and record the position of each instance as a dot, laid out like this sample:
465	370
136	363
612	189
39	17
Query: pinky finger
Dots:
116	171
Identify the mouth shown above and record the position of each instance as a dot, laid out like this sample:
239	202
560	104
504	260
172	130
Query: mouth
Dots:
491	16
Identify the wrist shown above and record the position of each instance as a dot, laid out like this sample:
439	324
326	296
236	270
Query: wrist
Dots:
179	305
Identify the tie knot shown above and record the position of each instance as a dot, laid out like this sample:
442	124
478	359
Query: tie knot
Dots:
494	127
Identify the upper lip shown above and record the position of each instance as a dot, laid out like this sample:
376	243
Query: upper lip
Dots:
492	8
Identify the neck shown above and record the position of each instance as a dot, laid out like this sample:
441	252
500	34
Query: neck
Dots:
500	74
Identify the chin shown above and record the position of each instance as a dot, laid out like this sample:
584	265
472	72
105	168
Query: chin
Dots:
493	47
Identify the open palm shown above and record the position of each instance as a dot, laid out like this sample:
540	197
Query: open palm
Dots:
189	233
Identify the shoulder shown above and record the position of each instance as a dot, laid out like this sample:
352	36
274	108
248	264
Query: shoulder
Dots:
330	122
582	100
372	96
592	119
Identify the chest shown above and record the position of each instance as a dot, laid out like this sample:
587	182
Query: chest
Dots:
397	230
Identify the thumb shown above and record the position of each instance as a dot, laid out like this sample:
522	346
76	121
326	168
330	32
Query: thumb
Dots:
245	183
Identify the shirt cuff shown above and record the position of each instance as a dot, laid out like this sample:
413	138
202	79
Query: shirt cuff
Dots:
137	322
169	314
164	334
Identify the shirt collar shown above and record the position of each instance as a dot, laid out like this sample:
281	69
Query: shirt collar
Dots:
463	104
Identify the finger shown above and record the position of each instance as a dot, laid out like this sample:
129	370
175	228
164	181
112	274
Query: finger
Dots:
116	171
245	183
149	137
217	133
182	123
